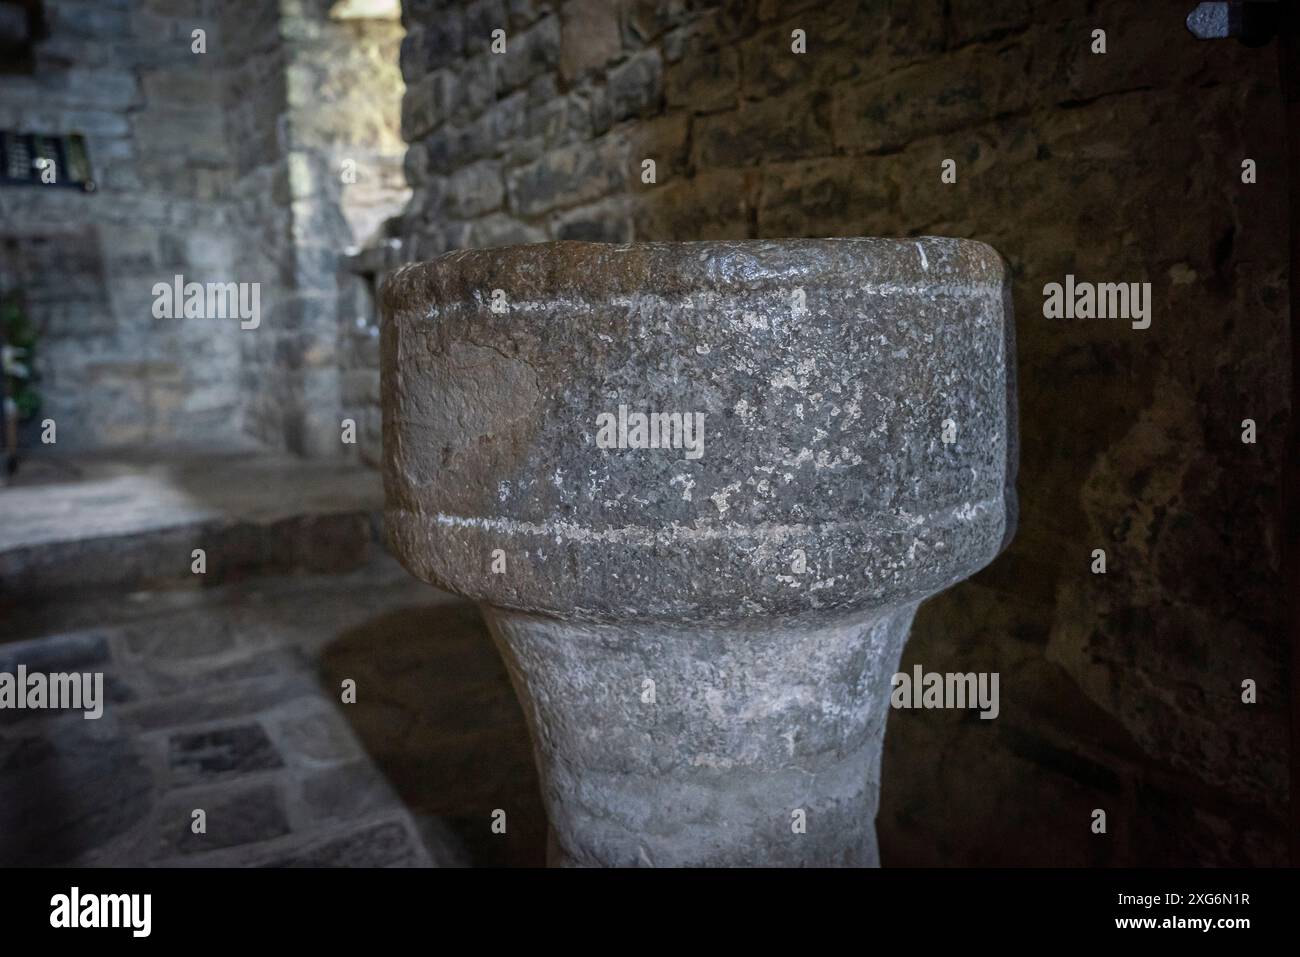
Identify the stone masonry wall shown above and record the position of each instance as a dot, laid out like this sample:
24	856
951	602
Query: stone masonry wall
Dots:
358	342
258	159
312	105
1119	691
123	75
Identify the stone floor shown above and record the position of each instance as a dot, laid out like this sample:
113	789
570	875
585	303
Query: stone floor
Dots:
227	697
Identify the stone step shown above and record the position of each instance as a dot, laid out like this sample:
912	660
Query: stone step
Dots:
134	520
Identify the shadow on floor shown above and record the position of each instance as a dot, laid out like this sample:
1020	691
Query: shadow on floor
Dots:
436	713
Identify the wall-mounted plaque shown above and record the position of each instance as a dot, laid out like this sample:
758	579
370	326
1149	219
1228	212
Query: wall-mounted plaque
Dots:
34	159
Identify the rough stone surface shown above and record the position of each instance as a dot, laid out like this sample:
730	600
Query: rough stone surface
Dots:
761	745
85	263
226	751
823	424
1122	690
131	519
259	160
313	105
857	456
248	729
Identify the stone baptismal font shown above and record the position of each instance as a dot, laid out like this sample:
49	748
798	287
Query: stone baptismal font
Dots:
698	491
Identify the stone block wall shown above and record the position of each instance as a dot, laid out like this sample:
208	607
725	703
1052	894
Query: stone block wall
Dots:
1120	691
358	344
313	102
259	159
122	74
